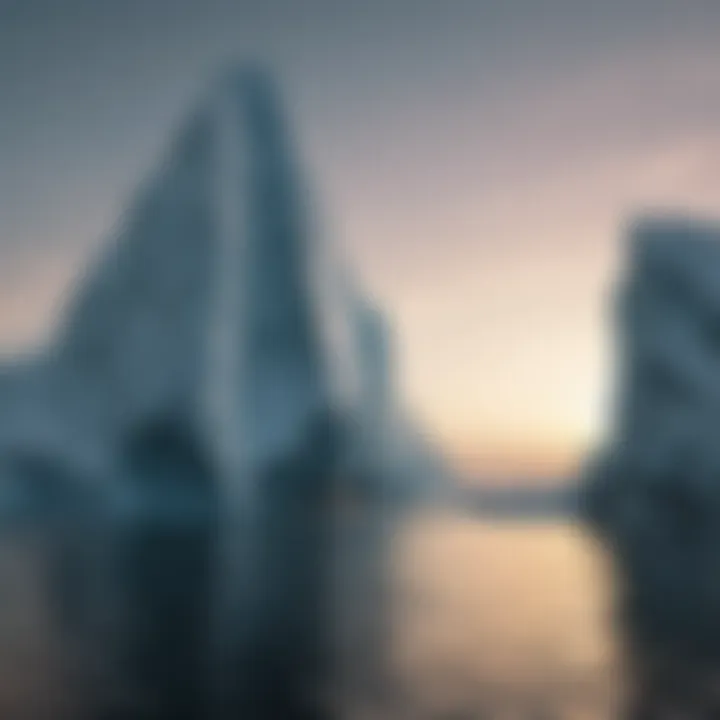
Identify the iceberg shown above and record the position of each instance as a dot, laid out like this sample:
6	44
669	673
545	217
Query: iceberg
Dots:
651	491
216	384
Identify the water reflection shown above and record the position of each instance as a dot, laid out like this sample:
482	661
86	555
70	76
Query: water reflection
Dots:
491	620
506	618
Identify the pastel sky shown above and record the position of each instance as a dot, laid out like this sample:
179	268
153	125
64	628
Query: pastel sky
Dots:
476	159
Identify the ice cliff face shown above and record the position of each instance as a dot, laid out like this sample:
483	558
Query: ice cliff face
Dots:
202	305
653	491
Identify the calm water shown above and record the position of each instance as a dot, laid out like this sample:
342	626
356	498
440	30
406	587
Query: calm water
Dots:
506	619
491	620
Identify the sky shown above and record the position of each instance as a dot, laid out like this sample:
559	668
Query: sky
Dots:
476	159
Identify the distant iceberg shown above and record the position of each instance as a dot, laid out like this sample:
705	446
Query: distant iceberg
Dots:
652	491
